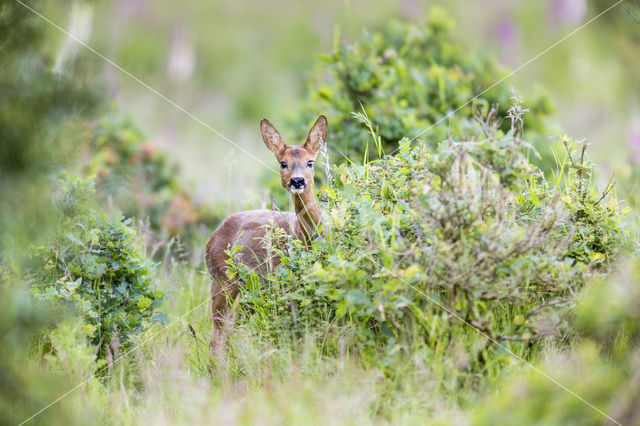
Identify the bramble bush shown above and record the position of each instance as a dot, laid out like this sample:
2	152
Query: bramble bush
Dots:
416	242
92	265
406	78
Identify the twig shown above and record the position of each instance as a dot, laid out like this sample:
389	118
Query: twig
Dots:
607	189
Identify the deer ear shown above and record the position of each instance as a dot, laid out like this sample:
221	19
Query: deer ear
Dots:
317	135
271	137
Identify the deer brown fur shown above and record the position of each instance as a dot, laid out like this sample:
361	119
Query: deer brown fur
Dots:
247	228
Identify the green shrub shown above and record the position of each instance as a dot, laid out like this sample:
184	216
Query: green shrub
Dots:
597	218
406	78
417	241
92	263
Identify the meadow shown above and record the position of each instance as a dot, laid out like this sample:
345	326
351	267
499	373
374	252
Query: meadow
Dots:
479	259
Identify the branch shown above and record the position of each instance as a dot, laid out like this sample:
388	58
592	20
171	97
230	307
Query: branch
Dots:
607	190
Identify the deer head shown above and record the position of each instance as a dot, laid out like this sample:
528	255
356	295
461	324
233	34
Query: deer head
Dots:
296	161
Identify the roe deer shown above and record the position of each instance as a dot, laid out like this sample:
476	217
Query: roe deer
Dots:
247	228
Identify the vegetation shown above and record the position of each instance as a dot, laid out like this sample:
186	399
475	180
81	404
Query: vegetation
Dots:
35	103
427	242
143	182
50	99
607	320
92	264
28	383
447	267
407	78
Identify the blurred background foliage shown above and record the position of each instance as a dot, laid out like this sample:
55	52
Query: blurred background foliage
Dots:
28	384
145	183
418	73
232	64
35	102
602	368
141	180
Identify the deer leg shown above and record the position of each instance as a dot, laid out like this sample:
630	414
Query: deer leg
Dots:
222	293
216	307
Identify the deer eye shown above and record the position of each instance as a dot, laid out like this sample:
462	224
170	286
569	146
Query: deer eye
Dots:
309	163
283	164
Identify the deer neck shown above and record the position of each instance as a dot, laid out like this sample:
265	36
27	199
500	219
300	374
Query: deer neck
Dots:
308	213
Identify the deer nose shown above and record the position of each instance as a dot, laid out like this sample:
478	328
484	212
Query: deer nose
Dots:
297	182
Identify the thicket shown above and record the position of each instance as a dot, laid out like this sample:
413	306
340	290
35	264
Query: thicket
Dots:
35	105
429	241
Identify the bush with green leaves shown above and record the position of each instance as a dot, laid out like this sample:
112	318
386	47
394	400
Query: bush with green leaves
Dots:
93	264
406	78
421	246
